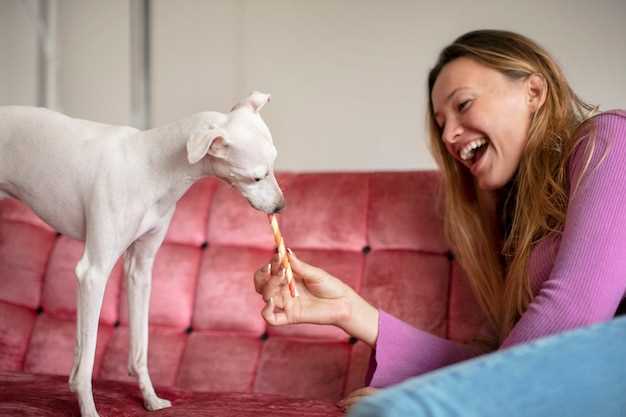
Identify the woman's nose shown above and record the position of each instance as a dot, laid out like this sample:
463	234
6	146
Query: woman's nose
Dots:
451	133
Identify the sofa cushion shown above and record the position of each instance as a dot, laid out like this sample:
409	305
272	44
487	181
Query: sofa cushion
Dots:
174	277
165	351
410	285
214	361
59	284
24	252
303	368
225	298
51	347
404	212
16	327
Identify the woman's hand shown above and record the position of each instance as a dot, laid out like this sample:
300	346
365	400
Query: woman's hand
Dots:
323	299
355	396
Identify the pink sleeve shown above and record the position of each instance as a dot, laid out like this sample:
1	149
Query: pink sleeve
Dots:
588	278
585	286
402	351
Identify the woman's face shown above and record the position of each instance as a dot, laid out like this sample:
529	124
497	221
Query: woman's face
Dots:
484	118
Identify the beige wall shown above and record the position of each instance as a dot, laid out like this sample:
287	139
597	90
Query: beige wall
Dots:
347	78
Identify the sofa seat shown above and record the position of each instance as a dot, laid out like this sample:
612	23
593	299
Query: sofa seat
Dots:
31	395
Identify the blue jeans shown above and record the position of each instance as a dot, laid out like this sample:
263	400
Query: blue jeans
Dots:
576	373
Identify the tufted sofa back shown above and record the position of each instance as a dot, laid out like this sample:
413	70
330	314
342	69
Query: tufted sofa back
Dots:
380	232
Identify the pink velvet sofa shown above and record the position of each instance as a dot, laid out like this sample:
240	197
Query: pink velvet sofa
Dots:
210	351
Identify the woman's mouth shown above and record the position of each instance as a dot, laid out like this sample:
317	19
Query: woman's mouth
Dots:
472	153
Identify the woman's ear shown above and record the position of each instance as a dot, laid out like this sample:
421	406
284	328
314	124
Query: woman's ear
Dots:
537	89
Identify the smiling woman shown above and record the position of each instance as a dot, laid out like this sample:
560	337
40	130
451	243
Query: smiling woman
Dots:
528	170
525	167
505	89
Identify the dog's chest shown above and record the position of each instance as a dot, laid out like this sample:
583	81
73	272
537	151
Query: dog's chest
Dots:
160	211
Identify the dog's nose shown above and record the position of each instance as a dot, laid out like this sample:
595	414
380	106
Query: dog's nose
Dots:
279	207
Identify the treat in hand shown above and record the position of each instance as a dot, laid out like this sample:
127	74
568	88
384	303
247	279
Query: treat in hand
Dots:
282	254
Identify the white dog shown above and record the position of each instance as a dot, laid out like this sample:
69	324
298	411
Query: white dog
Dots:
116	188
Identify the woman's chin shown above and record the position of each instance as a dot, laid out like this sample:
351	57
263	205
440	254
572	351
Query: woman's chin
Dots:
491	182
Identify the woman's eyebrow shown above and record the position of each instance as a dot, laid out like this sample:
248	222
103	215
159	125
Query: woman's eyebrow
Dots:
456	90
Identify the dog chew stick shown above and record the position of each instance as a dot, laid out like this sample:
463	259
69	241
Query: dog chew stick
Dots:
282	254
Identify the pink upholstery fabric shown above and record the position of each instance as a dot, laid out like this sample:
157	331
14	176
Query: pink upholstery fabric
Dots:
302	368
51	349
24	251
335	209
411	285
379	232
166	349
403	212
189	224
173	285
466	321
233	223
216	361
226	299
59	288
16	326
49	396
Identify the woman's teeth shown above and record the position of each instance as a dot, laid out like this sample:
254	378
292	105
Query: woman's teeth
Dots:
470	149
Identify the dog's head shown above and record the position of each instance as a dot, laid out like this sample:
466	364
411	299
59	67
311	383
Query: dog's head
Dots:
241	152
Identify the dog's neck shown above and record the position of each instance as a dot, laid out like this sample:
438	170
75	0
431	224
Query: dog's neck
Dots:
164	153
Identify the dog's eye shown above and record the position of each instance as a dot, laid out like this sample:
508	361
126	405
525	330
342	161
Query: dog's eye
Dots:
257	179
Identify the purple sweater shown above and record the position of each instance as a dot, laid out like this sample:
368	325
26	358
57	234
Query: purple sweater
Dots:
583	284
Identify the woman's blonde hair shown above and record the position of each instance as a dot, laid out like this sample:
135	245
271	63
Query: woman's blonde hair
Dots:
537	197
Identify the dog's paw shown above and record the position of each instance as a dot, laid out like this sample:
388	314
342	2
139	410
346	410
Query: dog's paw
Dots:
157	403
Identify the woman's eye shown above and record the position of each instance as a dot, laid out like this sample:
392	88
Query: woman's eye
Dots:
464	105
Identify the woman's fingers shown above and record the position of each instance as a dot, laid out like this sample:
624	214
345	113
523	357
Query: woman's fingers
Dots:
275	264
305	271
260	277
275	315
356	396
280	307
272	286
270	315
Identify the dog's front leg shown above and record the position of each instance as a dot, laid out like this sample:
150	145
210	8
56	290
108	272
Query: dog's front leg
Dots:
138	262
92	272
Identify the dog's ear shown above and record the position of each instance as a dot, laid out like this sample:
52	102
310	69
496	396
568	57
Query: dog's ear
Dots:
202	142
256	100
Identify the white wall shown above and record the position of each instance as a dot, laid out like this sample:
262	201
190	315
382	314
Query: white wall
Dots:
4	52
94	60
196	57
347	77
18	52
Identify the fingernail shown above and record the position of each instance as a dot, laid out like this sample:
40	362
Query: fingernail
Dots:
267	268
291	252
